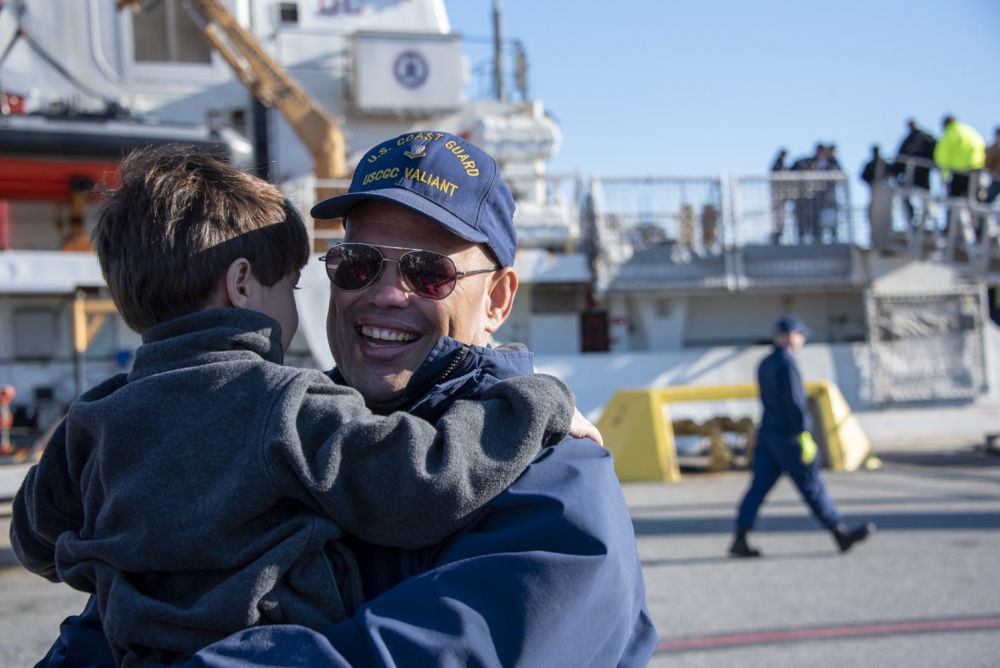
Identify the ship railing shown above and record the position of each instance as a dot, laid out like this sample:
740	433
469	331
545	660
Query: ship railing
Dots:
712	226
625	215
914	215
793	208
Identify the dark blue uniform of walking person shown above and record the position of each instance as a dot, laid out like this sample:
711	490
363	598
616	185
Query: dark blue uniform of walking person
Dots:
785	444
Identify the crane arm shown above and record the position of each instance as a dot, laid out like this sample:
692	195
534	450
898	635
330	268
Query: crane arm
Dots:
273	87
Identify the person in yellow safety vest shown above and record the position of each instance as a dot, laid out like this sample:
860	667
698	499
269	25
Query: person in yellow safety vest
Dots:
961	150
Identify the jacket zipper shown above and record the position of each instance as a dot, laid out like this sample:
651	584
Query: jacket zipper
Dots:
457	359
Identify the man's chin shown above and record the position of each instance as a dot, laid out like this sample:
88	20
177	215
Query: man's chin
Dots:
380	390
384	399
381	372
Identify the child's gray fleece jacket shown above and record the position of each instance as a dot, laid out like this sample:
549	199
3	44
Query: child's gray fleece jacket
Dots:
206	490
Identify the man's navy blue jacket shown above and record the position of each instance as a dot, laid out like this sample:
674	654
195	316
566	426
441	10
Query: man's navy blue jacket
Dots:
786	408
548	575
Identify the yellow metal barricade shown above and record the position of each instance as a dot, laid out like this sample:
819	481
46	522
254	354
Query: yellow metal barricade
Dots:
637	430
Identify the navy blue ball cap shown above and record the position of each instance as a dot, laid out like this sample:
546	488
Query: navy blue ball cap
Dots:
443	177
791	324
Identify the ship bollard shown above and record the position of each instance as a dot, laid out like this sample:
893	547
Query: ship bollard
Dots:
6	418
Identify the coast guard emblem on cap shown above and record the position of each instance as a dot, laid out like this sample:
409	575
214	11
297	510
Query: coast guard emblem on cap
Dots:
416	151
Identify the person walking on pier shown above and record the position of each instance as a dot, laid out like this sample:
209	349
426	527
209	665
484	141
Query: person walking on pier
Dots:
785	444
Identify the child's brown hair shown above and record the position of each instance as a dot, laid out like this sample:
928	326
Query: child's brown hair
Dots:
168	234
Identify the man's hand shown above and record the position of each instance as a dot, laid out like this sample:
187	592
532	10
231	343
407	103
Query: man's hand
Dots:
581	427
808	447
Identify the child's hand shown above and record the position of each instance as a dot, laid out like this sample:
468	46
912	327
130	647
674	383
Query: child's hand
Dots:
581	427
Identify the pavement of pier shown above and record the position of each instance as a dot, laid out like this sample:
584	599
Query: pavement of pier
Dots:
923	591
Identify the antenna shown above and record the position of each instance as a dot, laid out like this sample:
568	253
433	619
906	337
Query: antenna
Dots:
498	50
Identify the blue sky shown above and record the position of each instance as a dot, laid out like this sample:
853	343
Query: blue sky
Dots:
716	86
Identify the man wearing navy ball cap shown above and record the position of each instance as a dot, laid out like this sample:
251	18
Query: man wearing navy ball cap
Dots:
428	254
785	444
549	575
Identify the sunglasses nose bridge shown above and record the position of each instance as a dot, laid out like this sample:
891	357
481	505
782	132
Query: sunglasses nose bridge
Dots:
387	277
399	280
404	268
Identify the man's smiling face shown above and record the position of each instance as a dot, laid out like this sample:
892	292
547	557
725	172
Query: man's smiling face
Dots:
380	334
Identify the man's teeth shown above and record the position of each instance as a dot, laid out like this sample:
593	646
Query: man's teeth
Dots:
387	334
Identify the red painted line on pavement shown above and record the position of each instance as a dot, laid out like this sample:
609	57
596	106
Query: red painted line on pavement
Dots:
709	642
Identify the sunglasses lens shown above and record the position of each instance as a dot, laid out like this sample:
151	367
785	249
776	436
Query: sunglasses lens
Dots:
353	266
428	274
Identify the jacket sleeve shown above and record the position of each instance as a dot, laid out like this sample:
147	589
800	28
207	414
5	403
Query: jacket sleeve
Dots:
792	393
49	501
398	480
46	505
799	405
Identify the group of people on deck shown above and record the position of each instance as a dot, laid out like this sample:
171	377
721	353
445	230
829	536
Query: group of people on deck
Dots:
810	184
969	168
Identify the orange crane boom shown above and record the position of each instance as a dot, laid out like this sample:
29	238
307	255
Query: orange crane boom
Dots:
272	86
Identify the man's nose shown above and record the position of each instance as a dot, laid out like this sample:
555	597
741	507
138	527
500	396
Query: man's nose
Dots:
388	290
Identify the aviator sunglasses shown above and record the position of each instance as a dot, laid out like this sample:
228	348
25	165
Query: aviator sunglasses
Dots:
353	266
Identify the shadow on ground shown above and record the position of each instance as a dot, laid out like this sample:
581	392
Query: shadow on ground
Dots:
977	456
916	521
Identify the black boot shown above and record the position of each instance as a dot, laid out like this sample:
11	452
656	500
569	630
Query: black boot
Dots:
845	539
740	547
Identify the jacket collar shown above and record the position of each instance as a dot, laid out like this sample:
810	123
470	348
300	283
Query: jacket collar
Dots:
455	370
205	336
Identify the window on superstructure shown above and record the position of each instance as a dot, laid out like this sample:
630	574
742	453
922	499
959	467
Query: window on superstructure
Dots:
164	32
34	331
288	12
555	299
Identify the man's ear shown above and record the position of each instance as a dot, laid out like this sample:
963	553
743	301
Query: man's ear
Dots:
500	299
239	284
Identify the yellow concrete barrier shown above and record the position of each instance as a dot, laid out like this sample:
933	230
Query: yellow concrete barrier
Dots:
847	446
636	430
636	427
